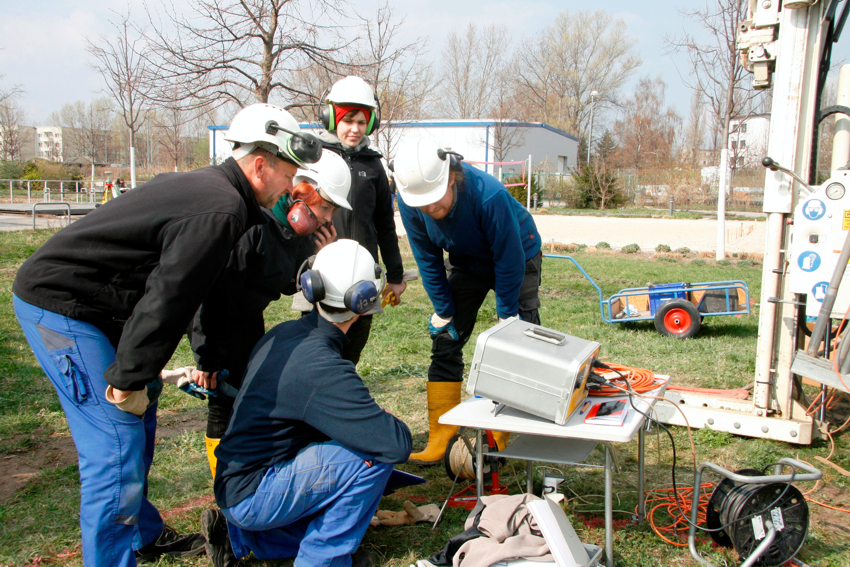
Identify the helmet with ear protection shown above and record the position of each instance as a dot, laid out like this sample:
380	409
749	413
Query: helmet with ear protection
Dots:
343	274
421	171
275	130
350	91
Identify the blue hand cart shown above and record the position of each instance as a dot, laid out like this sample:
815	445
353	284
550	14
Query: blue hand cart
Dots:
677	309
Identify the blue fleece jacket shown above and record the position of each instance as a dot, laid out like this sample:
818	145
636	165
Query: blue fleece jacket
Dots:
487	232
299	390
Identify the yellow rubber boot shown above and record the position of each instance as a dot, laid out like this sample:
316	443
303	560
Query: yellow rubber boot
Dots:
501	438
442	396
211	445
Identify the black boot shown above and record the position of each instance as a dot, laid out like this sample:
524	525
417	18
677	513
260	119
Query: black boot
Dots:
172	544
214	528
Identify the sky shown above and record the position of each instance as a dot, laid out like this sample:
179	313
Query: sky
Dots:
42	42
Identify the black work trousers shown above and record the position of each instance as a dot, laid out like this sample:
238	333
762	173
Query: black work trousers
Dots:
469	291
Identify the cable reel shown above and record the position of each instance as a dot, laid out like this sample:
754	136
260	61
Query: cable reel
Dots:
458	459
733	504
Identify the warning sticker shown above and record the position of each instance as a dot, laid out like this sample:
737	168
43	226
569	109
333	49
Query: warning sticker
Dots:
758	528
845	224
776	517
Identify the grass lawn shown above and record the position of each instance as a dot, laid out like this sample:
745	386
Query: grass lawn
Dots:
39	495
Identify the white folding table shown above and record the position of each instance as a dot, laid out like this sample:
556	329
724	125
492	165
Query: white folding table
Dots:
543	440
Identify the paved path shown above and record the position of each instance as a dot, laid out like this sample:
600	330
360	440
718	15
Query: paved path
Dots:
698	235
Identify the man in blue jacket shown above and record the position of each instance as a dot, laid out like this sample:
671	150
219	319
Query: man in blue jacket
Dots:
308	452
492	243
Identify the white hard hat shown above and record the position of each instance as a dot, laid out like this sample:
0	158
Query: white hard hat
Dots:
331	175
275	130
352	90
421	171
350	278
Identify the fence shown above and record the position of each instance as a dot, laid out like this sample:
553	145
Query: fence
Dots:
28	191
654	187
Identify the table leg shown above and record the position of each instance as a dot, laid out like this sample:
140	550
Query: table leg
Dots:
609	510
479	465
641	499
529	477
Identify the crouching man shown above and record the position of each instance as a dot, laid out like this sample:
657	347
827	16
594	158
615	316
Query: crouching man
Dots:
307	454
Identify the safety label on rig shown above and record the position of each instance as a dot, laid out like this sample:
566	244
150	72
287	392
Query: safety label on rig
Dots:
776	517
758	528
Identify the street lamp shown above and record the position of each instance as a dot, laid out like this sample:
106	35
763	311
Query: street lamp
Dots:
593	96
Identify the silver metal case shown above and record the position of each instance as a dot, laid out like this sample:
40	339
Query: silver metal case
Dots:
534	369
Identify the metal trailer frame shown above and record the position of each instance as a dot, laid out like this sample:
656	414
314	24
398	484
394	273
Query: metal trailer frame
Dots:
606	307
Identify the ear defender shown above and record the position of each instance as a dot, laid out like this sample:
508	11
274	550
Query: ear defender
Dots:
301	218
309	281
361	297
327	116
312	285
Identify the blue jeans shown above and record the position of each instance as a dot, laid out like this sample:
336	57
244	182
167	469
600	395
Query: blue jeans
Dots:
315	507
115	447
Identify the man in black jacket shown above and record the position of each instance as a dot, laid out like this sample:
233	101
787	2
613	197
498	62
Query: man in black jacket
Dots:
307	455
103	305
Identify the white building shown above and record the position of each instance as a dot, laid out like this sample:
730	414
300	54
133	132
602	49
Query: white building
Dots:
476	140
49	143
748	137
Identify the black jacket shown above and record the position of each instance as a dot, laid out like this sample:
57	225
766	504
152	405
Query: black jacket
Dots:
370	222
139	266
299	390
262	266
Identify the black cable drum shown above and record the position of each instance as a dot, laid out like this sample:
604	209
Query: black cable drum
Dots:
731	504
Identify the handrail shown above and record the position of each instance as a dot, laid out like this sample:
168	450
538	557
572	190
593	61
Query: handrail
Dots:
49	204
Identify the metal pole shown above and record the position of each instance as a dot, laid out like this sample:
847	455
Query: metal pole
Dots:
29	191
11	194
593	96
528	186
641	471
609	510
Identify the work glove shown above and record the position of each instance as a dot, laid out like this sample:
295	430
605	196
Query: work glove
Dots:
136	403
182	378
410	515
437	325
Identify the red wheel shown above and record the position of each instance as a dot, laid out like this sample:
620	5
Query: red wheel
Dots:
678	318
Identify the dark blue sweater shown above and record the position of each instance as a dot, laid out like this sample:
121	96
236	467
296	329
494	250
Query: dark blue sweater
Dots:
487	232
298	390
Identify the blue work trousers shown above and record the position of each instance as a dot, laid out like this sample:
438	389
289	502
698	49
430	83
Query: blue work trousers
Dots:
115	448
315	507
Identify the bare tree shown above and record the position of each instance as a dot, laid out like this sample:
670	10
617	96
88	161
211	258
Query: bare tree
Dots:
695	129
243	51
13	133
504	135
397	67
471	70
647	130
120	62
578	54
172	123
84	128
716	71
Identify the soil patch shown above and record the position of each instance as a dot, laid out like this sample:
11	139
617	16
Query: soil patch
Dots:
58	451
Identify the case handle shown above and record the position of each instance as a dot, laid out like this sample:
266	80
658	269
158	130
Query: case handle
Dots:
546	335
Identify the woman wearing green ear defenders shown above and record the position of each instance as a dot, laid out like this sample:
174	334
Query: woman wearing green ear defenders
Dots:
349	113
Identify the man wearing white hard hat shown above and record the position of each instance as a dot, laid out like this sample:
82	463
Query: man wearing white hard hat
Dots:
492	244
308	452
105	301
263	265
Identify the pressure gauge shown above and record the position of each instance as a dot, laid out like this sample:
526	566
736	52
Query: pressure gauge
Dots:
835	191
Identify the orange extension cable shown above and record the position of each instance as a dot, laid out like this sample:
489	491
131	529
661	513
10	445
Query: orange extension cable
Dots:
662	500
640	379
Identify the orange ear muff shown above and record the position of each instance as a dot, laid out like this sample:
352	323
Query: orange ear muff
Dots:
301	219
